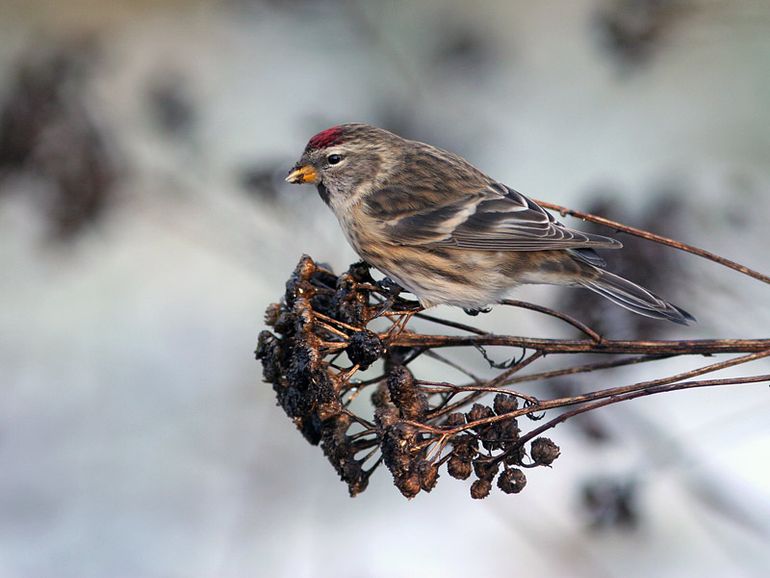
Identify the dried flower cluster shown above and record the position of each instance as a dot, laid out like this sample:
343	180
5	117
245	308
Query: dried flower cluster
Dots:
323	337
415	427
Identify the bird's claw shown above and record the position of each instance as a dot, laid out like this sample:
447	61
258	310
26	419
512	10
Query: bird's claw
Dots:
476	310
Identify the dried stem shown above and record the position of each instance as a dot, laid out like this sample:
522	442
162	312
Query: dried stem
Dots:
678	347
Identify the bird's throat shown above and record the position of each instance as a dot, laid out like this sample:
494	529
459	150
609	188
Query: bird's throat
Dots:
323	191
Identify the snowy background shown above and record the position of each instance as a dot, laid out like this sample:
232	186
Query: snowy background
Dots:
144	227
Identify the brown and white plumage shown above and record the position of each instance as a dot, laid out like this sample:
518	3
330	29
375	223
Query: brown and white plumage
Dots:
447	232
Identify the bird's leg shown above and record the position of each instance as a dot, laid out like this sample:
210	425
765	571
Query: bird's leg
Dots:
391	290
400	324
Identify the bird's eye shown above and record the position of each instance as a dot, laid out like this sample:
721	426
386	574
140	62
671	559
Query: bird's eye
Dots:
334	159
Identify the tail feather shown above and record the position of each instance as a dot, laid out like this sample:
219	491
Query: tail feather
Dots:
635	298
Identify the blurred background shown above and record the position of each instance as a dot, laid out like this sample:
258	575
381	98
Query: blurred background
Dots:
145	226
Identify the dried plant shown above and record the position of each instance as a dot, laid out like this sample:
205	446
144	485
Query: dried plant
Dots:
420	426
50	134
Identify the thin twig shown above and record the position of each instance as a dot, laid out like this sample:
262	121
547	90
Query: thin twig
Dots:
563	211
563	316
454	324
599	394
660	347
633	395
480	392
584	368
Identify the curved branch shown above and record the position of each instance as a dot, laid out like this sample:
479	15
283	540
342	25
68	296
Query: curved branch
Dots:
563	211
563	316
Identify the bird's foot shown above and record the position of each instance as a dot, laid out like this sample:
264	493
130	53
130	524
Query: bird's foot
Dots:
476	310
390	287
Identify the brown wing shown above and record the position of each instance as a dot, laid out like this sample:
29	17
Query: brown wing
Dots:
496	218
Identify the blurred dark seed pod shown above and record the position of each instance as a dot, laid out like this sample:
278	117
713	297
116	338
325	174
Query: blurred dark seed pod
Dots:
364	348
455	419
504	403
512	481
397	450
296	284
272	313
409	486
404	394
285	323
543	451
479	411
485	469
490	436
465	446
480	489
515	457
381	397
508	430
268	352
459	468
428	472
385	416
323	303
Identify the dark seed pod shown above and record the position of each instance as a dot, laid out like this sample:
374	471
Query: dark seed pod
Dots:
465	446
512	481
364	348
428	472
543	451
485	469
381	396
505	403
479	411
455	419
385	417
480	489
459	469
409	486
404	394
272	313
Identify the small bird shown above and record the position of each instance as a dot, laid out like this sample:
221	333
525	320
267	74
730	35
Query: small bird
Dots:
448	233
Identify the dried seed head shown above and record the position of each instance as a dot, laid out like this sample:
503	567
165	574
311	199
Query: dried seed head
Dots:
455	419
401	457
364	348
504	403
507	431
409	485
428	472
458	468
480	489
512	481
479	411
405	395
464	446
381	396
485	468
272	313
543	451
385	417
268	352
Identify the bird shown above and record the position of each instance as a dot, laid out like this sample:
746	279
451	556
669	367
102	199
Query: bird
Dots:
448	233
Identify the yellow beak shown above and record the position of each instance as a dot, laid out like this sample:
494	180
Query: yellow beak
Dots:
302	174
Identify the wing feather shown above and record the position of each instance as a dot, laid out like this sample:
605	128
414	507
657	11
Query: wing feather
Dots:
496	218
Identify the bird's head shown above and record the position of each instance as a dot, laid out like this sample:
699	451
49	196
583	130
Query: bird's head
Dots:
341	159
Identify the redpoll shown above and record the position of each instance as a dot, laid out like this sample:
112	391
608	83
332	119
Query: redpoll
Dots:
447	232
